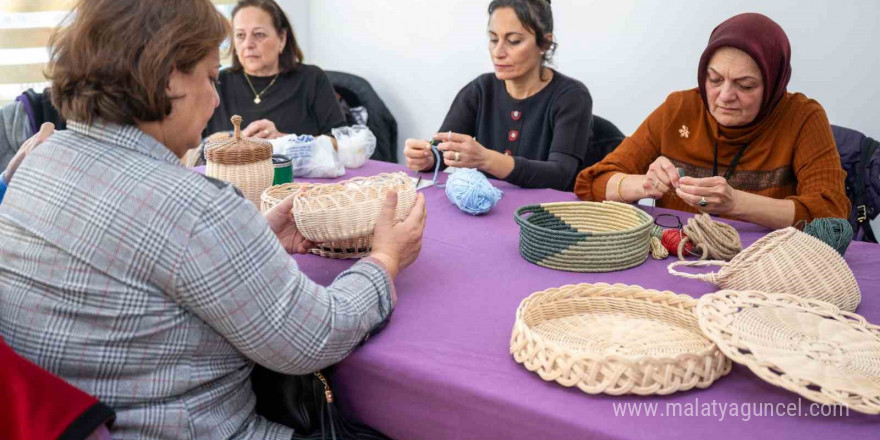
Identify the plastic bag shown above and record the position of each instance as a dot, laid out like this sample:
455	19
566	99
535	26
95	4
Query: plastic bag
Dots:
309	157
356	144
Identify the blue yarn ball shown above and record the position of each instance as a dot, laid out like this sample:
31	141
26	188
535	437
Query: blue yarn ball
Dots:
471	191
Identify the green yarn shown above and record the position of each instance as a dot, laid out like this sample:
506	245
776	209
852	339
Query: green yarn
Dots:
834	232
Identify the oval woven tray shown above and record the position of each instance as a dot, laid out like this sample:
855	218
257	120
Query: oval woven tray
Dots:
584	236
785	261
348	210
615	339
806	346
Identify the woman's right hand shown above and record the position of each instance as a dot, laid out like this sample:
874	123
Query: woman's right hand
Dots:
397	244
263	129
418	154
661	177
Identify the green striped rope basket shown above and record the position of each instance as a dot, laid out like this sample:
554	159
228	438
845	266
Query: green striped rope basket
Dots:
584	236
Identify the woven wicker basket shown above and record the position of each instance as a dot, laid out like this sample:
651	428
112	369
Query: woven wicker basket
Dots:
243	162
273	195
584	236
342	216
785	261
356	248
615	339
806	346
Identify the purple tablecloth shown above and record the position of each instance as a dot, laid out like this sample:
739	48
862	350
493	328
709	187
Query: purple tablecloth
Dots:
441	369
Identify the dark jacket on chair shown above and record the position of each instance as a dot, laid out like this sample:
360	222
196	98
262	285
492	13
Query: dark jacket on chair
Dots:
860	157
358	92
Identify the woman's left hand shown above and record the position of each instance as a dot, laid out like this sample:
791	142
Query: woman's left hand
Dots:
46	130
280	219
711	195
263	129
462	151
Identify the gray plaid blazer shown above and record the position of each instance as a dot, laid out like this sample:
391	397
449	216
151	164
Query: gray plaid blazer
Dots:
155	289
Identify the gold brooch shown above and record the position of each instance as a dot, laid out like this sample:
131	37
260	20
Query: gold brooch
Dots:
684	131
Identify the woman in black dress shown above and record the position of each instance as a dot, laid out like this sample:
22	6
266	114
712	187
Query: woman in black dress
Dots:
525	123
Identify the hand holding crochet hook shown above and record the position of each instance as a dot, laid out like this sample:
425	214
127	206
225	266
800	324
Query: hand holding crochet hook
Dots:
456	150
418	154
661	177
712	195
463	151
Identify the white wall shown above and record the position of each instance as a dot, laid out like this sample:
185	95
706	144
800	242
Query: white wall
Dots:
630	53
298	13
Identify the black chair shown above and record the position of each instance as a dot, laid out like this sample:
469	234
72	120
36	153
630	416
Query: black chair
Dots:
356	91
860	158
606	137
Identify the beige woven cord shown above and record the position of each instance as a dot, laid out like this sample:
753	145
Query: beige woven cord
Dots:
718	241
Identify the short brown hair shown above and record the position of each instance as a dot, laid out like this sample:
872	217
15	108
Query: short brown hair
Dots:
292	54
115	58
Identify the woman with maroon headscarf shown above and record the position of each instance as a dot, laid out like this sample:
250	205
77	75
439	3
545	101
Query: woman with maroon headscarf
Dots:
749	149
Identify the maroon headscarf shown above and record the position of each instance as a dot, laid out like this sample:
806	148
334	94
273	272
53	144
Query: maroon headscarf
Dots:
764	41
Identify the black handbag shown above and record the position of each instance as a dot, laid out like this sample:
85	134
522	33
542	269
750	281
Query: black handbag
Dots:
306	404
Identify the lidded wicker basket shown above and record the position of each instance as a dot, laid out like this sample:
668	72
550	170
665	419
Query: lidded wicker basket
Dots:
806	346
785	261
243	162
615	339
342	216
584	236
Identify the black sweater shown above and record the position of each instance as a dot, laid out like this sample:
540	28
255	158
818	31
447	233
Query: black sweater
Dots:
547	134
301	101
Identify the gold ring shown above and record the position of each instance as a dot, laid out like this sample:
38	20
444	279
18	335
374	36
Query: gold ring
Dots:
457	156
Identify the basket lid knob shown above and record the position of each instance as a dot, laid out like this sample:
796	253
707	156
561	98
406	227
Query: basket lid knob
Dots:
236	123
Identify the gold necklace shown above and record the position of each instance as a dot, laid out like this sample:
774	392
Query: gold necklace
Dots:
257	99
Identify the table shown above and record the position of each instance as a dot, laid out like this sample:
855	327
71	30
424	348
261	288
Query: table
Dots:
441	369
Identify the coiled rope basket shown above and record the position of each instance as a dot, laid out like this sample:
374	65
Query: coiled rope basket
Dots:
584	236
615	339
243	162
342	216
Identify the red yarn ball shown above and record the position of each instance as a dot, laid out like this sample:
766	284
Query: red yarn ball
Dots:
670	240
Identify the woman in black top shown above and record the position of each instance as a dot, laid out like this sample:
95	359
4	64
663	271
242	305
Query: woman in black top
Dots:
526	124
267	84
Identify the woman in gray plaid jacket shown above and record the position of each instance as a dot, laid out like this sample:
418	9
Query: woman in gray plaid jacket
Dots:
151	287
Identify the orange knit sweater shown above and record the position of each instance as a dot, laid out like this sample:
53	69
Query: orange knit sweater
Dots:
791	154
